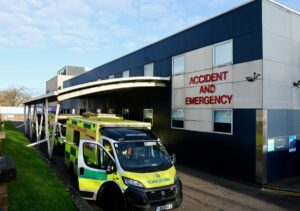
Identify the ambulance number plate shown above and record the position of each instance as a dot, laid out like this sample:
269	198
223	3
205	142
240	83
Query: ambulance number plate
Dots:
164	207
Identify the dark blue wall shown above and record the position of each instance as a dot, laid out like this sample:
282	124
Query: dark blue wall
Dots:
243	25
282	123
232	155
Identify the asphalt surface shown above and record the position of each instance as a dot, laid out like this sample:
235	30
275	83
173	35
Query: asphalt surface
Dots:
201	191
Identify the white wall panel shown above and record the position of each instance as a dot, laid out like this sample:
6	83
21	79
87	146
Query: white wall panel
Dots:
277	94
194	92
276	20
198	126
296	27
198	114
178	81
242	70
281	54
228	75
199	59
277	71
277	48
296	53
189	75
295	74
247	94
295	90
177	98
224	89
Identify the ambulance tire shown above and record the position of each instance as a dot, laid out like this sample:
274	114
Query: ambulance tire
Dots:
112	198
71	170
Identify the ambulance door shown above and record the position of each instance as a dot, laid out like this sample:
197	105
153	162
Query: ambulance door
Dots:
92	171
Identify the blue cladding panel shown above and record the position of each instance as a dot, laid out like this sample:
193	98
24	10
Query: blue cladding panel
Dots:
282	163
228	154
245	48
247	20
243	25
222	28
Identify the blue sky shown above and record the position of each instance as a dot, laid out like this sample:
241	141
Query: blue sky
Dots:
38	37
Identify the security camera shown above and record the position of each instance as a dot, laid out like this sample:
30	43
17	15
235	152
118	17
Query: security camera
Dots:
297	84
252	78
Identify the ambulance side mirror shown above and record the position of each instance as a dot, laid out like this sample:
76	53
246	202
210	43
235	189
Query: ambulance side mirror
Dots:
173	158
110	168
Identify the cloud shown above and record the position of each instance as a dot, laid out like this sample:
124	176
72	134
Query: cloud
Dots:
67	39
77	49
92	25
153	10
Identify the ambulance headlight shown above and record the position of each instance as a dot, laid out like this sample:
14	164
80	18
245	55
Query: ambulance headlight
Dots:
131	182
176	177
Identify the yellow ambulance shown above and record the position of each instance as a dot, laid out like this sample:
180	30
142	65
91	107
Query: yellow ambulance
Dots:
60	135
121	164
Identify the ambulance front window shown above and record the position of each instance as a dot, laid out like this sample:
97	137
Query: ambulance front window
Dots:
142	156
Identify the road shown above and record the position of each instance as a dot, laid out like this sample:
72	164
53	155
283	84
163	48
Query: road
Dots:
202	191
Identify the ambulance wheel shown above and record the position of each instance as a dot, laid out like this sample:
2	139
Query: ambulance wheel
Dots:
71	169
112	199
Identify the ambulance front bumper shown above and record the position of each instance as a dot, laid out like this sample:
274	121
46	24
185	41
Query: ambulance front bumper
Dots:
167	197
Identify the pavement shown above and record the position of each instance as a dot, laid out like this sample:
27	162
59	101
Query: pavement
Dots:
204	191
289	186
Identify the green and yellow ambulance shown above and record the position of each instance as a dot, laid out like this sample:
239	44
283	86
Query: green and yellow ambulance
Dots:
121	164
60	135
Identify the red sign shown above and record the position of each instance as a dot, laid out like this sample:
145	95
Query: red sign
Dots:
211	88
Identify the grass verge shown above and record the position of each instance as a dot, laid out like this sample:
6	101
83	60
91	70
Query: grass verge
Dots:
36	186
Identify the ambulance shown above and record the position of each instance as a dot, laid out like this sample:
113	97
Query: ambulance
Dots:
59	138
121	164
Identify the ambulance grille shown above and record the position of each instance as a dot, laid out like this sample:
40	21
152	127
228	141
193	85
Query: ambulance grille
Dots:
161	194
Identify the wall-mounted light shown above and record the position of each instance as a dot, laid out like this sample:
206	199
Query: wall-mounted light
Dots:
297	84
253	78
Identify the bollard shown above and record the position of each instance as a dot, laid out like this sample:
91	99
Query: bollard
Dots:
8	173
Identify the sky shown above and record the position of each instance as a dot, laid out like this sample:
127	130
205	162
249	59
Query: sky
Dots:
39	37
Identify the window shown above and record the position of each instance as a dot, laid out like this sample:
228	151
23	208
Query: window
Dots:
125	113
178	118
125	74
178	65
223	121
81	111
95	157
223	53
148	69
111	76
76	137
106	158
148	115
91	156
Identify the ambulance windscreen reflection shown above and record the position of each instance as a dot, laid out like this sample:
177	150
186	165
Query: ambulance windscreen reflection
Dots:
142	156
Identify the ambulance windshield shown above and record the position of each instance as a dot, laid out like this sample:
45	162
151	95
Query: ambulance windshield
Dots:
142	156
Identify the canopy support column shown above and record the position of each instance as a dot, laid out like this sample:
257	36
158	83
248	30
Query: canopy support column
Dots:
54	127
30	122
36	122
41	122
47	126
25	118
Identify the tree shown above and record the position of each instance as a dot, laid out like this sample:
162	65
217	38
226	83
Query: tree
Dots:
13	96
